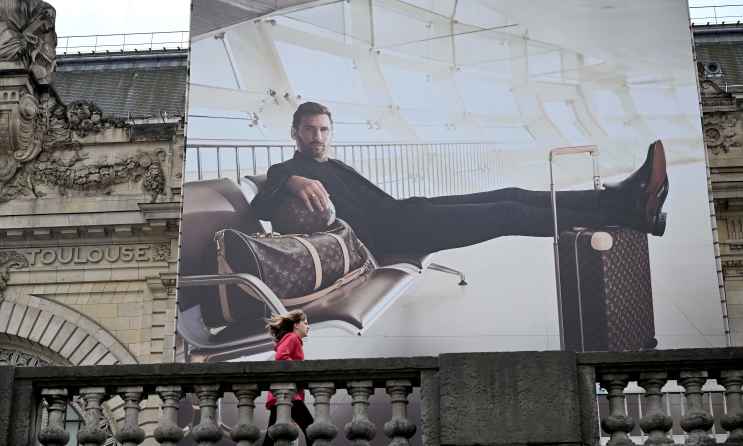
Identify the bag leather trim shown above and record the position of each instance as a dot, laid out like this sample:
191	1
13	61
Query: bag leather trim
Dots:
315	259
344	250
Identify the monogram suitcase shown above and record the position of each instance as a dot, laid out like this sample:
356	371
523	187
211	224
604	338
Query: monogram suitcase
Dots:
604	295
607	301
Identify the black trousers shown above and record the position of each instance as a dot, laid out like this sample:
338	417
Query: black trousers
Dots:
453	221
300	414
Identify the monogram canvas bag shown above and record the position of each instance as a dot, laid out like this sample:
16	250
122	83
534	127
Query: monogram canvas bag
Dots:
298	268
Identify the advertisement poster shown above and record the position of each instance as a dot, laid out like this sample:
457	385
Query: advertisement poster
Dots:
441	99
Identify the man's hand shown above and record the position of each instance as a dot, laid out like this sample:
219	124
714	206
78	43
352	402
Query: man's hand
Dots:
311	192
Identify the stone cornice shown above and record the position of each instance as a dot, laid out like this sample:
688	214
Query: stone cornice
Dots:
161	211
75	235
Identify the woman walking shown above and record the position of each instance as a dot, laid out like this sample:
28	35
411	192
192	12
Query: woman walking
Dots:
288	330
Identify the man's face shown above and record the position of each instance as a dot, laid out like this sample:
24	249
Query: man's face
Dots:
313	136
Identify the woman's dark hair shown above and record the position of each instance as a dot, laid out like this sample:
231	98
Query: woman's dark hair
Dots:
281	324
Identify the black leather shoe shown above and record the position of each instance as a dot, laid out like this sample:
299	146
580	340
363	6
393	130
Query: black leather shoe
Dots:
644	192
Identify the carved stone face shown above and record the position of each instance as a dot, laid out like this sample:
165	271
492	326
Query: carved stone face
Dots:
28	107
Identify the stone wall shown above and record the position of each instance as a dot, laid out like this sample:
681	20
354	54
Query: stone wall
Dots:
89	214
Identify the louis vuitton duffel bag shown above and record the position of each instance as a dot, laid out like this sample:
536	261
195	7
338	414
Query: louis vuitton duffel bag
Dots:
298	268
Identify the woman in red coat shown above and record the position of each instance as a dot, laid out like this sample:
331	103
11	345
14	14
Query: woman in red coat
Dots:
288	330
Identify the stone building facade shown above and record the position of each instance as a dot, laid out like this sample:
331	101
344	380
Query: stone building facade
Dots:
719	54
89	198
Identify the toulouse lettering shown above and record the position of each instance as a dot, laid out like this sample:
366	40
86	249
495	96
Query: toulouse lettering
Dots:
76	255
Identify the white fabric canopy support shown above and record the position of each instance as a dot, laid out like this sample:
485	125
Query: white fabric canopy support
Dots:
522	75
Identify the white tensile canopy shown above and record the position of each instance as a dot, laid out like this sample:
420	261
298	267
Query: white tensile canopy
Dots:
524	76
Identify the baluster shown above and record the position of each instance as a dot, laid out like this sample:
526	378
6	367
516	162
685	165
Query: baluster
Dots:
399	429
130	434
91	434
53	434
322	431
655	422
284	431
696	422
360	430
732	420
246	433
168	433
207	432
618	424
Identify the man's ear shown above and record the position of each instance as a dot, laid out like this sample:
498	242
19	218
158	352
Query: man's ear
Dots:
294	133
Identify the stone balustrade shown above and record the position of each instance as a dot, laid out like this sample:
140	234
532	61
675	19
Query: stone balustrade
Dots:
53	388
653	371
465	399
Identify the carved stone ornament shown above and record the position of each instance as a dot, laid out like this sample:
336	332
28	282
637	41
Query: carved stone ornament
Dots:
39	135
28	38
20	359
714	96
8	260
62	169
161	252
720	132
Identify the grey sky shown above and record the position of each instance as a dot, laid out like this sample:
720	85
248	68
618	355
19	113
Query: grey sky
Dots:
84	17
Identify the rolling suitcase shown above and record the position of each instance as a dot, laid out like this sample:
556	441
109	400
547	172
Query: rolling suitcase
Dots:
605	299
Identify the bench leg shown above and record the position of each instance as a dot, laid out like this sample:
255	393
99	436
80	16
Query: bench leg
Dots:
447	270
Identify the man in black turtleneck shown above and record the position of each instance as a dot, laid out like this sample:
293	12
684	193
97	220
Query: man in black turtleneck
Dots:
423	225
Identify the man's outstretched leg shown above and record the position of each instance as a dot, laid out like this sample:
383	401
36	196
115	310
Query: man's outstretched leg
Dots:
456	221
635	202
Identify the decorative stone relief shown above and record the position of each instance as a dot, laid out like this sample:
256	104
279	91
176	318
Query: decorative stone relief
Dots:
720	132
20	359
27	36
8	260
40	137
67	174
714	96
161	252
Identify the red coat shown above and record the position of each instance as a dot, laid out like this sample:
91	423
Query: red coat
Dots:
289	348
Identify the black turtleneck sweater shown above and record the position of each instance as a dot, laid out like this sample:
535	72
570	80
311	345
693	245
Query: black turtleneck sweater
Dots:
357	200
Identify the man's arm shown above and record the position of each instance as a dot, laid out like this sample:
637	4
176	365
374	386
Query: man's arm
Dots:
268	198
280	179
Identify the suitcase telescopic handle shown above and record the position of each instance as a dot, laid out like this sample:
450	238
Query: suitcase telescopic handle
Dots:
593	151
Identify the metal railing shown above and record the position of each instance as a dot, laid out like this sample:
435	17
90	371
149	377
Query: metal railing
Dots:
716	14
402	170
95	43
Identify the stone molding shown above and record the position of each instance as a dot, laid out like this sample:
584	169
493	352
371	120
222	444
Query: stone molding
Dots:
66	332
86	235
10	259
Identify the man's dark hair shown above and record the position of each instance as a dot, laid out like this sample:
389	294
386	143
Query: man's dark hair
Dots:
309	109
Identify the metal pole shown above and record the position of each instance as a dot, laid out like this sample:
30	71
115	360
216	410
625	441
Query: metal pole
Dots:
556	253
198	162
237	165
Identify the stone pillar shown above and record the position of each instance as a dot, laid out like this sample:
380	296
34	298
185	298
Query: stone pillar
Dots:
655	422
732	420
168	433
207	432
284	431
54	434
618	424
509	398
91	434
322	431
399	429
696	422
130	433
361	431
246	433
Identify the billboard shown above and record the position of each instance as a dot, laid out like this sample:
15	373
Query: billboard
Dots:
472	105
